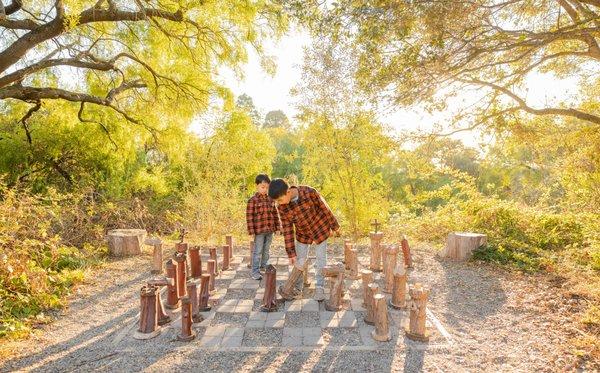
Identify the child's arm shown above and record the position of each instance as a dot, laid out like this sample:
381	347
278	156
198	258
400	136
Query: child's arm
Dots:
250	217
321	204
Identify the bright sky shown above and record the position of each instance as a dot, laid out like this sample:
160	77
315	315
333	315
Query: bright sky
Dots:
273	92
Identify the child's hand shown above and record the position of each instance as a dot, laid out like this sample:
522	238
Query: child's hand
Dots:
336	233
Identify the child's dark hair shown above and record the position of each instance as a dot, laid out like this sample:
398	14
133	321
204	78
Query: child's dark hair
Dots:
260	178
278	188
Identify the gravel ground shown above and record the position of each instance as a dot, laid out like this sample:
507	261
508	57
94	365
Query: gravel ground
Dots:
497	320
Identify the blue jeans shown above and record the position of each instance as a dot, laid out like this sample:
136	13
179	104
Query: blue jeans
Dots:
260	257
321	254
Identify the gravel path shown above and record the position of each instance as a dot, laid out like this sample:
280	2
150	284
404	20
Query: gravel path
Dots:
496	320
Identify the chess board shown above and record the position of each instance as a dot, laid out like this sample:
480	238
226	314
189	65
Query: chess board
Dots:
236	322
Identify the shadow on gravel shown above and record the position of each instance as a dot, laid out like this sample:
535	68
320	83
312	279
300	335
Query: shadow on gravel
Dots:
473	293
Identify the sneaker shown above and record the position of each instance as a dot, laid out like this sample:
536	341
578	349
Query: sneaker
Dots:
256	276
319	294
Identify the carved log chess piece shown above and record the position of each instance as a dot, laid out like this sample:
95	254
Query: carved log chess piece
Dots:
187	334
159	282
251	254
148	313
211	266
229	242
226	258
373	289
353	263
192	291
347	246
288	291
172	288
180	258
406	254
367	278
376	238
204	293
391	255
157	257
416	328
382	325
398	300
195	262
213	256
336	272
269	303
182	247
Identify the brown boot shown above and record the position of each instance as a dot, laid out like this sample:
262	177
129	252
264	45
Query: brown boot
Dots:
288	290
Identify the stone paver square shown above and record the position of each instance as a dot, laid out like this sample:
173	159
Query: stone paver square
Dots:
292	332
211	340
294	306
302	319
311	331
231	341
275	315
310	305
313	340
234	332
257	316
291	341
256	324
218	331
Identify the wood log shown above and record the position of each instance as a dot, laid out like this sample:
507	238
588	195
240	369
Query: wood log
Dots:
125	242
460	245
406	254
160	281
347	247
373	289
382	326
195	262
187	334
180	258
367	278
416	327
213	256
288	290
148	327
334	303
192	291
226	258
376	238
269	303
398	300
211	266
353	259
157	257
390	255
204	292
172	287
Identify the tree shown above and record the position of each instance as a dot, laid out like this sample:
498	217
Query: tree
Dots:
276	118
126	53
426	51
246	103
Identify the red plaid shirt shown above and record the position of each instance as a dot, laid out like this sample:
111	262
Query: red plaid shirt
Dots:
261	214
310	217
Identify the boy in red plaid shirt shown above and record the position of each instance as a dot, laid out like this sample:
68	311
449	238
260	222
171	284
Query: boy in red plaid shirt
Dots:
306	219
262	221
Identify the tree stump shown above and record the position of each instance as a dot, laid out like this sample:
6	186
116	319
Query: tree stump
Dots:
159	282
367	278
157	257
416	328
148	313
389	263
172	287
382	325
187	334
376	238
373	289
460	245
353	259
269	303
226	258
347	247
195	262
213	256
398	300
204	292
180	258
336	272
211	266
406	252
125	242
